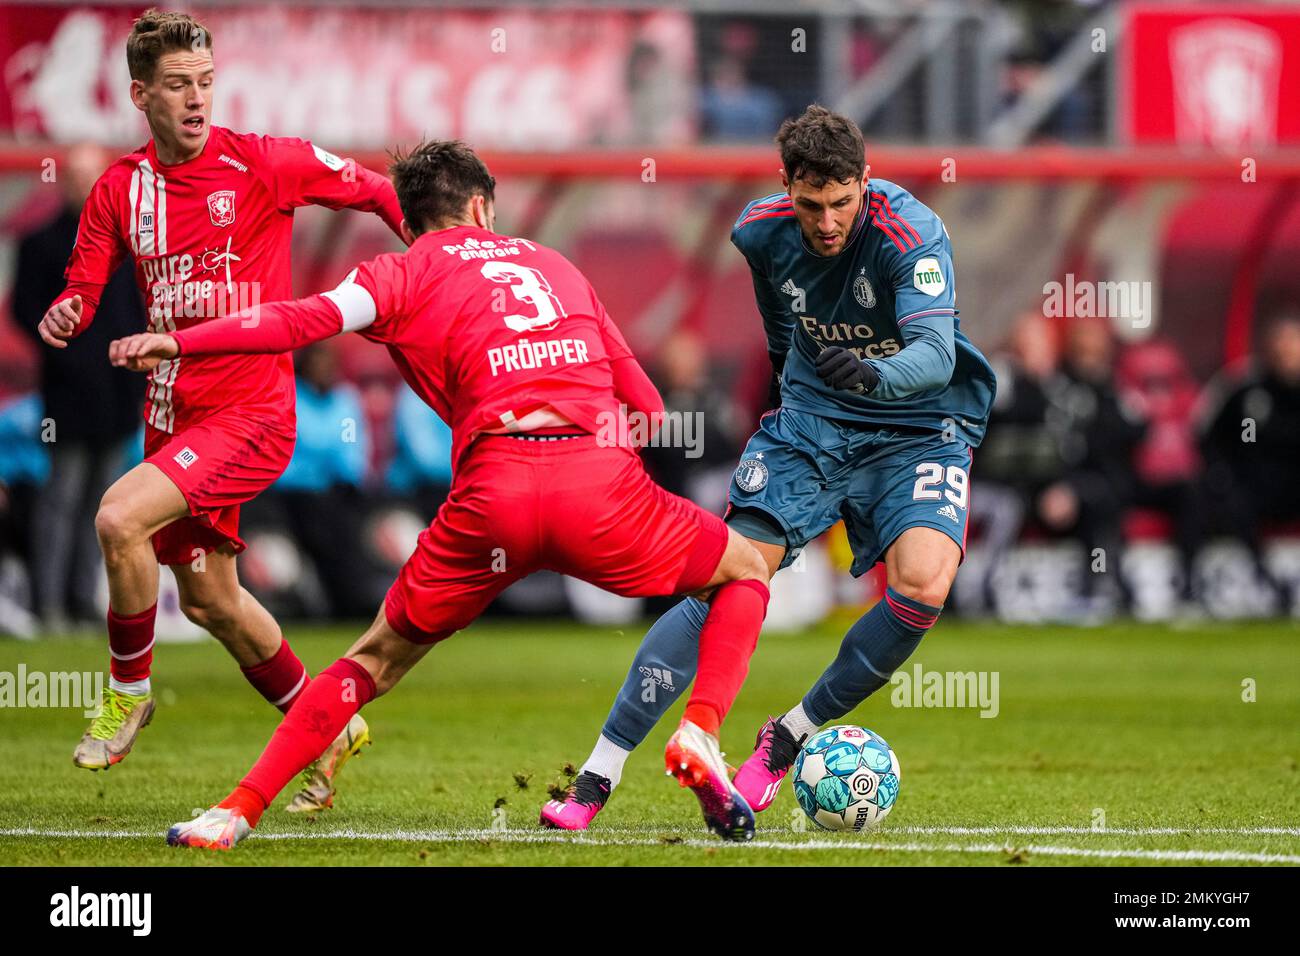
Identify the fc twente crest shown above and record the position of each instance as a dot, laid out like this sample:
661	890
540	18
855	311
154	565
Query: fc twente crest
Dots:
221	207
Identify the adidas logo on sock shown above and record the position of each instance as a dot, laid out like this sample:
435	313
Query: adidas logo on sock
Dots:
948	511
660	675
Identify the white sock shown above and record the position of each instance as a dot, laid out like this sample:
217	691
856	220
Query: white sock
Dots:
135	688
607	760
797	722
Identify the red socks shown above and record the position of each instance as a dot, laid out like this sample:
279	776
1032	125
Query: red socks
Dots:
321	713
727	642
248	801
281	679
130	644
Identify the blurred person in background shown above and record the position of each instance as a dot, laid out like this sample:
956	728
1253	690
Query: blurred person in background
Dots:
659	97
1045	30
94	408
1154	379
1098	434
733	107
24	468
1021	456
1251	443
420	472
320	491
695	453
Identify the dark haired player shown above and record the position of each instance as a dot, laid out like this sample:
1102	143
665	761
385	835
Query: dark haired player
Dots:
881	400
207	214
509	344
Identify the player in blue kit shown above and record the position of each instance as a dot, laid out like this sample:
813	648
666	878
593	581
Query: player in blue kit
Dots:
881	400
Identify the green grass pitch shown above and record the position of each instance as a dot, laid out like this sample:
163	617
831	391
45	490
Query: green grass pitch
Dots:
1145	724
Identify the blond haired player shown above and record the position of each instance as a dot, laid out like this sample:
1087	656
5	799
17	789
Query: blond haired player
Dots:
207	214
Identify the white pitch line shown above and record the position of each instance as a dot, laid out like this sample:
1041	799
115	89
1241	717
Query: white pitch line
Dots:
1125	831
814	845
1023	830
474	833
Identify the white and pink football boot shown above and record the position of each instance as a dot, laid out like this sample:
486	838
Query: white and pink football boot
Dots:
693	757
218	828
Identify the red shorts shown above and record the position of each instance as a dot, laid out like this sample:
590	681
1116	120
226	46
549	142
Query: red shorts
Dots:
218	463
570	506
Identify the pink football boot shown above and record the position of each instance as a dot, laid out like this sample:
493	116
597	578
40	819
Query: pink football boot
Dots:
580	805
759	778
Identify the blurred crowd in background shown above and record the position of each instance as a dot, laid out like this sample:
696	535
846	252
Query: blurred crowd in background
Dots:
749	82
1119	469
1091	442
1109	445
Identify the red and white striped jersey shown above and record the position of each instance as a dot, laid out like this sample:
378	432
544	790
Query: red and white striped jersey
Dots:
211	236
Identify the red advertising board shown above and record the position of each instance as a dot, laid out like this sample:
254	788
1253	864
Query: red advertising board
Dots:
352	78
1225	77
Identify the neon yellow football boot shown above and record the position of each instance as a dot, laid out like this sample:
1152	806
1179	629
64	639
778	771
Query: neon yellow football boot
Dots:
112	733
319	778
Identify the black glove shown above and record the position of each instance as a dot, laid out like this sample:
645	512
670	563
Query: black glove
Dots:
840	368
774	386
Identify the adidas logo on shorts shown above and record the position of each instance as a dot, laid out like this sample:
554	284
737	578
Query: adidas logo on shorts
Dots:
948	511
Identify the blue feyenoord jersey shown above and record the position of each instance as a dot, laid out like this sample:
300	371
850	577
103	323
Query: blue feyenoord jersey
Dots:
889	297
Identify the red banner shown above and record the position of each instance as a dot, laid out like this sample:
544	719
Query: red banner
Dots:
507	79
1226	77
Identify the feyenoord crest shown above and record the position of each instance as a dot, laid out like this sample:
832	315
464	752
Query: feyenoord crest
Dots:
221	207
863	292
751	476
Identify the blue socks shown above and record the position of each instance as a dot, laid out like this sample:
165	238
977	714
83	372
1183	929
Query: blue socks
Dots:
875	646
664	666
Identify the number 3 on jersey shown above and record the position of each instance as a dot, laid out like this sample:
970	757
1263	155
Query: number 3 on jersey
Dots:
529	286
931	474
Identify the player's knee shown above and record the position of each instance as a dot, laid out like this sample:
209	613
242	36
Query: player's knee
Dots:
115	527
923	581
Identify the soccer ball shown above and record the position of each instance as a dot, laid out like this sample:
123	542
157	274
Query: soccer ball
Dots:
846	778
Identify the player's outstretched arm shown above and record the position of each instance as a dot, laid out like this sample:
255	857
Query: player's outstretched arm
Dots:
277	327
304	174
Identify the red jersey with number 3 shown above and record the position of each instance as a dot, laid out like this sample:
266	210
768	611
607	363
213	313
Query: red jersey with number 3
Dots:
211	236
495	333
